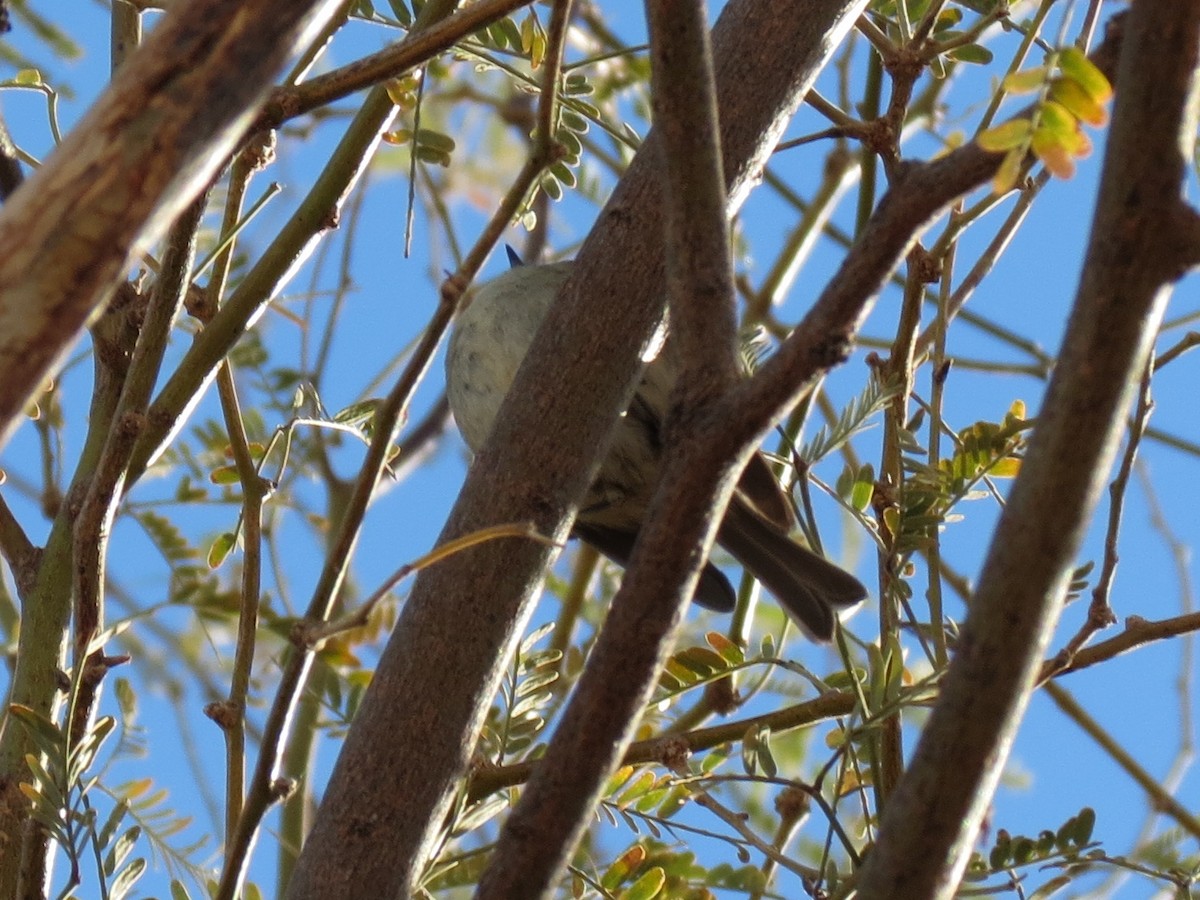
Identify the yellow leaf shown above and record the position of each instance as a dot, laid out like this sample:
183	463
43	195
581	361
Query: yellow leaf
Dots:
852	780
1056	117
1053	154
891	518
1063	128
1027	81
1006	176
624	866
395	91
133	789
1006	468
1003	137
537	53
1078	101
1075	65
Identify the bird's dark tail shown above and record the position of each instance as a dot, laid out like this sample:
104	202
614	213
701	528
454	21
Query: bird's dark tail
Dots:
810	589
713	590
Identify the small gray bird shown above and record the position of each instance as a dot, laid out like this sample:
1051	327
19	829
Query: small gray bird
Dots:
491	338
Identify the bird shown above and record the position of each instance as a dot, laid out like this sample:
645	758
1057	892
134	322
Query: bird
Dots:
490	339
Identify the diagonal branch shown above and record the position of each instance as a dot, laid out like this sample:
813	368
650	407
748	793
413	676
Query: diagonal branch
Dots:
171	116
1132	258
543	831
444	661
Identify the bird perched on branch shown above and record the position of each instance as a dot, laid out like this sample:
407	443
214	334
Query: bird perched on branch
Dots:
491	338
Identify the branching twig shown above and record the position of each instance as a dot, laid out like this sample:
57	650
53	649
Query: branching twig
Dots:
1100	614
949	783
312	867
420	46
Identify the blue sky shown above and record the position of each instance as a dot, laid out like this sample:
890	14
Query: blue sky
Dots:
1055	770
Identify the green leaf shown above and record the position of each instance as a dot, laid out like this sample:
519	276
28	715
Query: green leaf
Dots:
530	704
112	823
701	660
48	786
220	549
649	885
435	140
532	639
766	647
539	659
1023	850
577	85
636	789
85	753
1081	826
766	759
500	36
575	122
1051	887
972	53
675	800
855	418
669	682
563	173
481	813
535	681
552	188
120	849
1006	176
863	489
358	415
750	751
48	736
623	867
224	475
529	27
511	32
1001	853
948	17
432	156
570	143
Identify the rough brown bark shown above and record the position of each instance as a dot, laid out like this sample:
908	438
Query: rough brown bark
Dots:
1134	254
412	740
156	137
69	233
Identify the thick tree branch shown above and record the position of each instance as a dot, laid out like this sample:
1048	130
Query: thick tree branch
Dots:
68	234
541	834
1131	260
171	116
419	720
